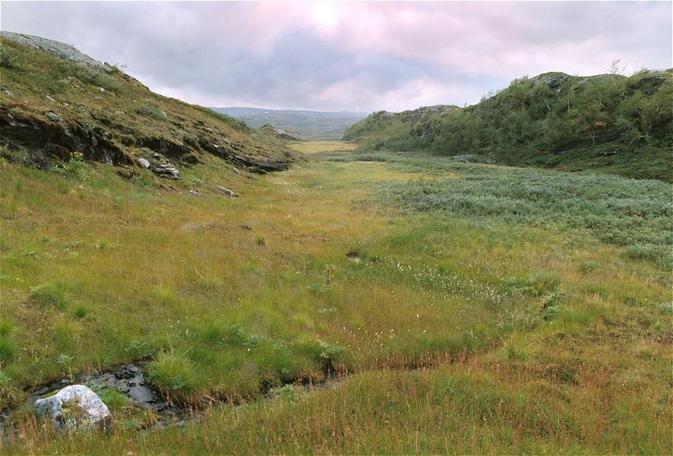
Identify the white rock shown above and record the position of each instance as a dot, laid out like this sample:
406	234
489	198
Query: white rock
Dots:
228	192
144	163
74	407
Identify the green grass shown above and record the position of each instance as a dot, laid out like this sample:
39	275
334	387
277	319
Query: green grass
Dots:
466	308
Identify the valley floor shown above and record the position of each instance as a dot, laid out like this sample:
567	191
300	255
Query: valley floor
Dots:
463	308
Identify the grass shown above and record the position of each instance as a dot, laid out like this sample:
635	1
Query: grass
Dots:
494	328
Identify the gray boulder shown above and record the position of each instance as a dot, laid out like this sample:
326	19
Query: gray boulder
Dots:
145	163
166	170
74	407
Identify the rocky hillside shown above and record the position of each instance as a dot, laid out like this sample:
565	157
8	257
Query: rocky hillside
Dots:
278	133
56	103
610	123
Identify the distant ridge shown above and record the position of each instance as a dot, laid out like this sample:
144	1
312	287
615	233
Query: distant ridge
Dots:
301	123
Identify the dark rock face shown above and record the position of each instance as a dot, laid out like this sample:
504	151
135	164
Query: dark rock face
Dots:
56	138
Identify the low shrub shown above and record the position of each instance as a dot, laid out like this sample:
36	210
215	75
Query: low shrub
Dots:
153	111
173	374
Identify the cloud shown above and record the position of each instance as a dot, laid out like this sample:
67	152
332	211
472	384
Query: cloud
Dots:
350	56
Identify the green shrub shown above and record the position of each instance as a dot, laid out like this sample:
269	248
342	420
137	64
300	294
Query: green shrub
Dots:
554	119
80	312
6	327
4	378
7	351
172	373
113	398
642	252
588	266
7	60
153	111
139	349
331	358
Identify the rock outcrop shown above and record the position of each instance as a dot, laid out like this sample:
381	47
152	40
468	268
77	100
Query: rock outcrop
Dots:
56	101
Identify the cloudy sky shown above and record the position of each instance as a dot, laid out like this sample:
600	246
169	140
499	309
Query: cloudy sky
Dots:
350	56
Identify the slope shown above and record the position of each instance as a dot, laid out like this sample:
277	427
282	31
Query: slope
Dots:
611	123
56	103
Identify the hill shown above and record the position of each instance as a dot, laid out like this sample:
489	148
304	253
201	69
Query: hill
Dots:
277	133
305	124
611	123
57	103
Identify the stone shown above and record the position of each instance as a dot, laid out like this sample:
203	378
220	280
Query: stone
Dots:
145	163
166	170
227	192
54	117
74	407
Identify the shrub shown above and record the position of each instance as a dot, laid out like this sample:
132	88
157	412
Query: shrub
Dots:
642	252
172	373
332	358
7	350
111	397
10	396
588	266
153	111
138	349
76	167
7	60
80	312
6	327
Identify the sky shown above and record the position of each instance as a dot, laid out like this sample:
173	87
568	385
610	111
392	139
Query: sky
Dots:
352	56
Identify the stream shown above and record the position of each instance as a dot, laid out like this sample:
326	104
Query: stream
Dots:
130	380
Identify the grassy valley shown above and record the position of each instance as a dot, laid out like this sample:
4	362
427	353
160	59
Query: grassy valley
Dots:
385	295
533	331
315	125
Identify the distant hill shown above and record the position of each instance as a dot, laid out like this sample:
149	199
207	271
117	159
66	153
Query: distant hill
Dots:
611	123
277	133
304	124
56	102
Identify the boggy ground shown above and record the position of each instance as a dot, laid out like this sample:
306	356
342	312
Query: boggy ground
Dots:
455	327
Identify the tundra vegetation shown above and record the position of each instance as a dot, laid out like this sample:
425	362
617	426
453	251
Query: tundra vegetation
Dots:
608	123
443	305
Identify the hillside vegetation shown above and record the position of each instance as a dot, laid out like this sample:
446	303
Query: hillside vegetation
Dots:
609	123
57	104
